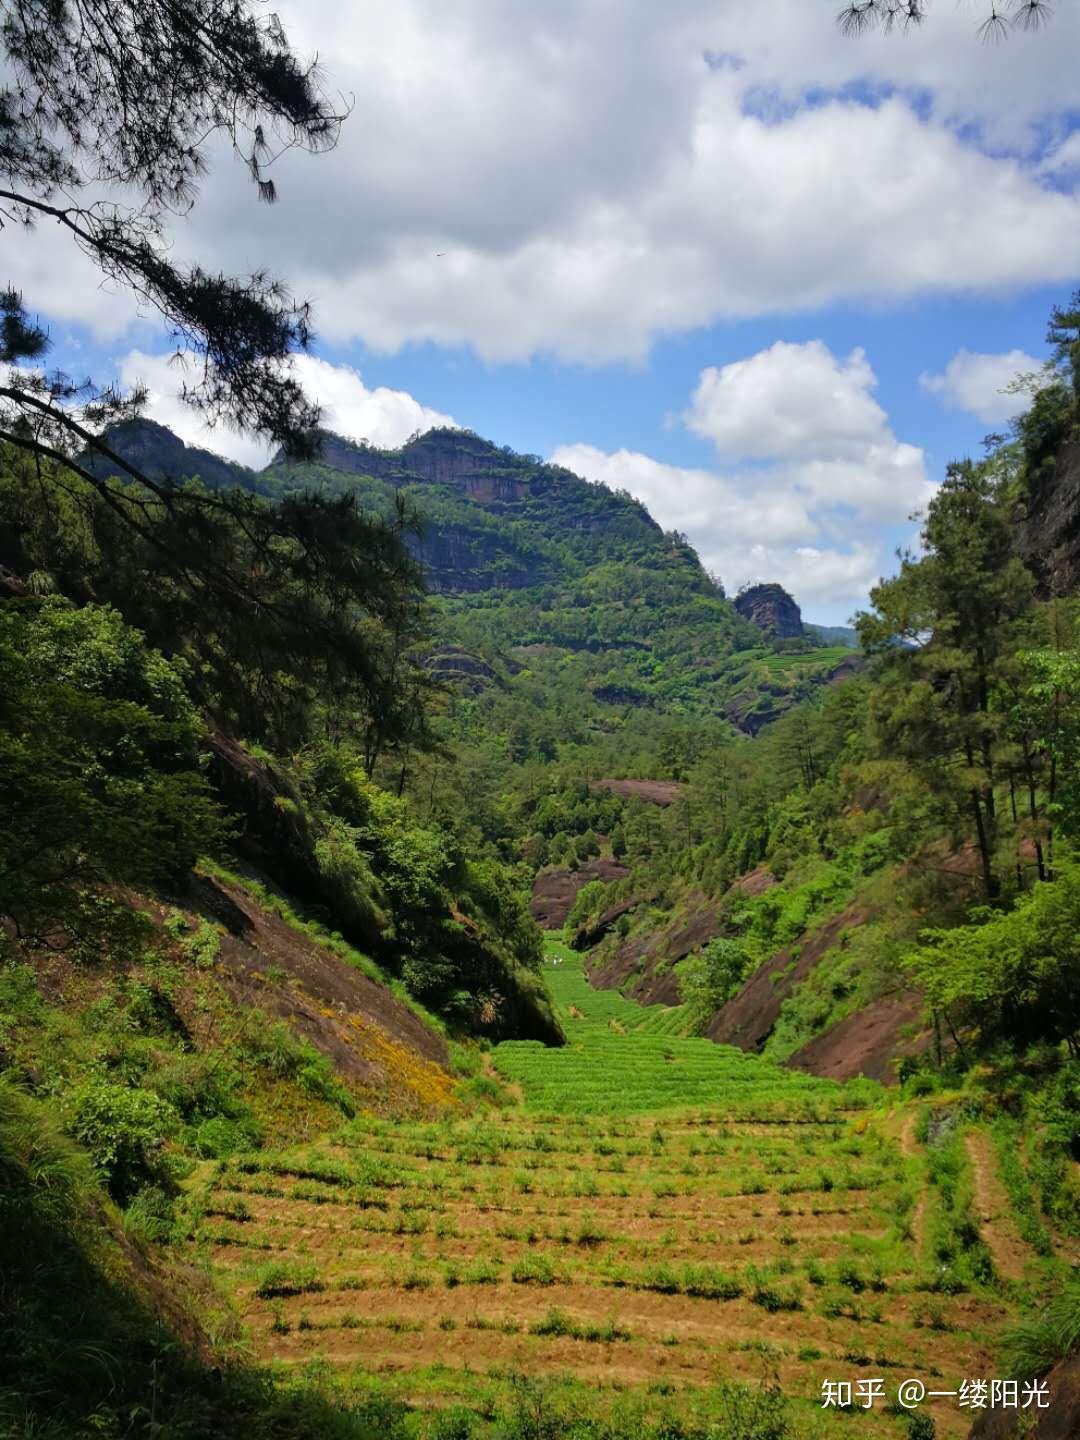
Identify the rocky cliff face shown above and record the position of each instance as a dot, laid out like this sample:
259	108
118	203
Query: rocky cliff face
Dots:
772	610
1049	533
161	455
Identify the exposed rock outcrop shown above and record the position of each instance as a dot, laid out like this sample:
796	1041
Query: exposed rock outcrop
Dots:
554	891
747	1020
772	610
1049	534
1060	1420
656	792
462	669
869	1042
642	965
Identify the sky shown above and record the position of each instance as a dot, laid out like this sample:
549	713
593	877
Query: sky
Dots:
767	278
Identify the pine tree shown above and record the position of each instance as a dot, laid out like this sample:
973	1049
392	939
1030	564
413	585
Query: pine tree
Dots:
957	608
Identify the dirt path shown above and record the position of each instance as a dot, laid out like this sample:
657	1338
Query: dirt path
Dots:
992	1209
909	1147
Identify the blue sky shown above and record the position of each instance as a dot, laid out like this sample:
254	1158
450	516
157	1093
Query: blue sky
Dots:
773	298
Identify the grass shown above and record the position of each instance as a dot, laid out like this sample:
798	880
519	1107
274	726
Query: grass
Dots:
623	1058
682	1209
661	1219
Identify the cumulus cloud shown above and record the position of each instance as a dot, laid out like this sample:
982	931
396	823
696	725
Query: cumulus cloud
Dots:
818	480
578	178
979	383
745	527
788	400
381	416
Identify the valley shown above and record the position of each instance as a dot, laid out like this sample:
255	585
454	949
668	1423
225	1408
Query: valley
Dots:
639	1217
465	977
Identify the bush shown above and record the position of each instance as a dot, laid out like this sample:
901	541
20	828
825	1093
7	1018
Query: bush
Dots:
708	979
125	1130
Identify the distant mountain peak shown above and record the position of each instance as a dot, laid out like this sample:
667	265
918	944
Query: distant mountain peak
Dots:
161	455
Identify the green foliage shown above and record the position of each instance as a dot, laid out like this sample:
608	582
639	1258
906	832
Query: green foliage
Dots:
1052	1334
617	1062
938	705
278	608
709	978
124	1130
272	1046
1015	974
99	770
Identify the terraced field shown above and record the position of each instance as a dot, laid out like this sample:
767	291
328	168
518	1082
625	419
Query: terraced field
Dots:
657	1214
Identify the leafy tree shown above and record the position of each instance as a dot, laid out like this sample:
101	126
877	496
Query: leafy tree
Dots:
1014	976
99	777
112	96
1063	333
958	608
709	978
1044	724
275	605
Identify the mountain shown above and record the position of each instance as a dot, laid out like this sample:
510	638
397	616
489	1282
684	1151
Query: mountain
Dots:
832	634
154	450
563	602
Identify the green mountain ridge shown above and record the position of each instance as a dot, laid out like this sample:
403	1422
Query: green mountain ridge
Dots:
547	583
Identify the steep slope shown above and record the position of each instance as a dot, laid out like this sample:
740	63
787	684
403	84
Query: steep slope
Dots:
1049	530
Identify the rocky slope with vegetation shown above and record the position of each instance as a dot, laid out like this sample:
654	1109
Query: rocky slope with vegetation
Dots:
296	760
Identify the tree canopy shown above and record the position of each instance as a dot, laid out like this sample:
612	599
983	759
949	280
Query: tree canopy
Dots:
109	99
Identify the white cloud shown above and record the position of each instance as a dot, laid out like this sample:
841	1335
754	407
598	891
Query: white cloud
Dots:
1063	159
826	484
814	417
788	400
978	383
382	416
595	183
745	527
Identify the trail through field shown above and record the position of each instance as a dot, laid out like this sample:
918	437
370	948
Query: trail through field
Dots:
648	1214
992	1209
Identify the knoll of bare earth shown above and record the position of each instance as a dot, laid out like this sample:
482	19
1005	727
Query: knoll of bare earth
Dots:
555	890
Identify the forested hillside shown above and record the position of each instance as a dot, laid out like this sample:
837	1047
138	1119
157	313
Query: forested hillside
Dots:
463	976
281	777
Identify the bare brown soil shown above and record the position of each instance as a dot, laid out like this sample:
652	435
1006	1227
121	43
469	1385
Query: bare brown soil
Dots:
992	1209
554	891
656	792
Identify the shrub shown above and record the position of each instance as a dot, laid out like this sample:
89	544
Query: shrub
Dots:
125	1130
